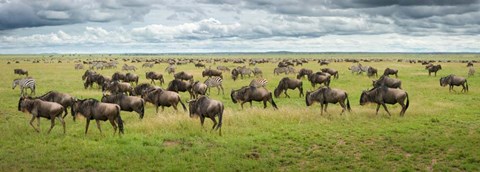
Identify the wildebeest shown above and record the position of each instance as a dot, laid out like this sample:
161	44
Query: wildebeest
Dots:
469	64
327	95
243	71
61	98
92	109
205	107
155	76
131	78
324	62
388	82
212	72
39	108
170	69
319	78
453	80
434	69
117	76
288	83
141	88
235	74
199	88
199	65
178	85
160	97
383	95
390	71
249	94
372	71
471	71
331	71
95	78
304	72
257	72
183	76
20	72
126	103
118	87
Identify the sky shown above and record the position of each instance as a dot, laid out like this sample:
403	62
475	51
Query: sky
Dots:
191	26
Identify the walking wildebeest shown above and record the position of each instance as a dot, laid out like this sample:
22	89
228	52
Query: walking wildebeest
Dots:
92	109
388	82
126	103
331	71
39	108
389	71
453	80
61	98
178	85
205	107
160	97
319	78
199	88
383	95
20	71
131	77
434	69
304	72
371	71
327	95
288	83
212	72
183	76
155	76
249	94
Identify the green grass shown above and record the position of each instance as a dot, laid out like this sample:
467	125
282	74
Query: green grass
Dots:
440	131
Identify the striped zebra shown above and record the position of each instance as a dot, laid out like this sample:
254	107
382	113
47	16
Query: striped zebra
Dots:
258	82
24	84
214	82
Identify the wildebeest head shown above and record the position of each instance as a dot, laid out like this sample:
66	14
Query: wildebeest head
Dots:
277	92
233	95
308	99
192	106
363	98
443	81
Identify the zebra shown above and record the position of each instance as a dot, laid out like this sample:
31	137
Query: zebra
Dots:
24	84
214	82
258	82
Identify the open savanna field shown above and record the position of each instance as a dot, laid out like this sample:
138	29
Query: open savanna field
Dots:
440	131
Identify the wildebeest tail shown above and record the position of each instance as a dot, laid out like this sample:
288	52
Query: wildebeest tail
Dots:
143	109
408	102
119	121
348	103
183	105
220	117
273	102
466	85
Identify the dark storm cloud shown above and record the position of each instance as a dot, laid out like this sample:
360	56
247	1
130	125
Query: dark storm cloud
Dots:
26	13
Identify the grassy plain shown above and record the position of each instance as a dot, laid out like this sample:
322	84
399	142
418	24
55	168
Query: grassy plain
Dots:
440	131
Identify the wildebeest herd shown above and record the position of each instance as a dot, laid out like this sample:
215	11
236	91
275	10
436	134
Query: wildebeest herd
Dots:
123	92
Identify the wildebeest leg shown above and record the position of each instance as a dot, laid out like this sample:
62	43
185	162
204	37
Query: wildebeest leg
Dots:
326	105
52	124
385	107
66	112
38	123
98	126
86	127
286	93
214	122
113	125
63	123
202	120
463	89
241	104
31	123
264	104
378	107
321	108
342	104
174	105
156	109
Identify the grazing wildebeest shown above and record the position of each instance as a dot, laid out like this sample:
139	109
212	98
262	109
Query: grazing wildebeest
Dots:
223	68
92	109
178	85
139	89
118	87
235	74
212	72
390	71
61	98
257	72
155	76
304	72
471	71
434	69
20	71
39	108
199	88
170	69
372	71
117	76
331	71
205	107
87	74
249	94
131	78
288	83
243	71
383	95
324	62
183	76
199	65
453	80
327	95
126	103
95	78
388	82
319	78
160	97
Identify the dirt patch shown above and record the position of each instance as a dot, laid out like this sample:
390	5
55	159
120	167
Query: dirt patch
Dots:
170	143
